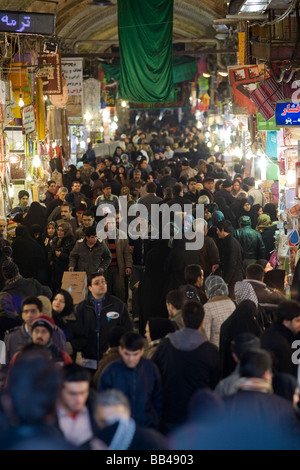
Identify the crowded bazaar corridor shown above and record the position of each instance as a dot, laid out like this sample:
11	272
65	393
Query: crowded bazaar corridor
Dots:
149	227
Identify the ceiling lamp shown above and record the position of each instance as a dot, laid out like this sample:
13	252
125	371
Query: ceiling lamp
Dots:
254	6
206	75
12	158
223	74
101	3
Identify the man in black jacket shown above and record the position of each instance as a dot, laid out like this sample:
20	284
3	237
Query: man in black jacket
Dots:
185	354
99	314
278	339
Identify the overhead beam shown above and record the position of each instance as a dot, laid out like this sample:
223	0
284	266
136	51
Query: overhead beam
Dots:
108	55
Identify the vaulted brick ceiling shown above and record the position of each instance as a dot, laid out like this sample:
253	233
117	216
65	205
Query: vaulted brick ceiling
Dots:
90	28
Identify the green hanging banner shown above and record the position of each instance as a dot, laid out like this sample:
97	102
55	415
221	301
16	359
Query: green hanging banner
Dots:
146	50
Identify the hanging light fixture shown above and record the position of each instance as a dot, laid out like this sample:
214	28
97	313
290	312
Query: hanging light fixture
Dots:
36	161
87	116
11	190
21	102
12	158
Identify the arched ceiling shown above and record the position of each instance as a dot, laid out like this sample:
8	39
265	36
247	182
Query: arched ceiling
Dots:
83	27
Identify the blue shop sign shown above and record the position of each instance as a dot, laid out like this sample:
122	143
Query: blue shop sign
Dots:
287	114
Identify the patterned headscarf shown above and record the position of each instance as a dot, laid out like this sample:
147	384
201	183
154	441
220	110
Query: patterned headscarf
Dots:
244	291
215	285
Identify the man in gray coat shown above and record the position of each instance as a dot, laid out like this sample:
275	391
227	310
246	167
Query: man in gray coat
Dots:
90	254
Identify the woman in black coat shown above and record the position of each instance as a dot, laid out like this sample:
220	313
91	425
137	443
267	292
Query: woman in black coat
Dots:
29	256
151	287
243	319
61	248
63	314
36	215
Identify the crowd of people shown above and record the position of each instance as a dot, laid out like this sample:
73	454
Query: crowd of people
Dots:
169	344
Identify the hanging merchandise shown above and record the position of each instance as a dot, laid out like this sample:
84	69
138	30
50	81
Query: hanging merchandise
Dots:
244	79
283	247
40	111
61	100
50	73
293	237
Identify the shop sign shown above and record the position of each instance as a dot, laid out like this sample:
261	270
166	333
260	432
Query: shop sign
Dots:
27	22
28	119
287	114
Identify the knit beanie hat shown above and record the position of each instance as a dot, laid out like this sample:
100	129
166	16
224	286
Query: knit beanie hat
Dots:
9	269
264	221
44	321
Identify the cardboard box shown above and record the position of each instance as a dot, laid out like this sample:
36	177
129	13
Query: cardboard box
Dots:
76	283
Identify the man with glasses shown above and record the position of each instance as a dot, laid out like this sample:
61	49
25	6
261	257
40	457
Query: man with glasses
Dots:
100	313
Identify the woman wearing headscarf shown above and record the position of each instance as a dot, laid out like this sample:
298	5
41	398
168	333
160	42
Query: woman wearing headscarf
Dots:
216	217
244	208
271	210
267	230
276	279
156	329
217	309
255	212
36	215
243	290
69	176
227	211
29	256
61	248
49	235
243	319
63	314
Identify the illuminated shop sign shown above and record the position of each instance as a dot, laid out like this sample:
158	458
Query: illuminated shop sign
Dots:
27	23
287	114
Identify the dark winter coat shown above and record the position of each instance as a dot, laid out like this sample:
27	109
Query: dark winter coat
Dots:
188	355
29	256
82	258
231	259
97	342
60	264
251	242
21	288
141	385
278	340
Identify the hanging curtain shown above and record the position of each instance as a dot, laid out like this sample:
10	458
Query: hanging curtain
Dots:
146	52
